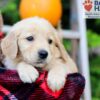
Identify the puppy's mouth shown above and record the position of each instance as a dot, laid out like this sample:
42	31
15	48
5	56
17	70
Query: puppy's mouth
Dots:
41	62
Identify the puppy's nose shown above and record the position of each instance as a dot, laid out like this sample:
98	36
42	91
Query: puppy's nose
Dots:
43	54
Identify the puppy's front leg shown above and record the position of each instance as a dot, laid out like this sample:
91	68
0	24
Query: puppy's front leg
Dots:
57	76
27	73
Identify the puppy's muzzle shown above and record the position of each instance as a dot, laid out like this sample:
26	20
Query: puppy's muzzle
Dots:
43	54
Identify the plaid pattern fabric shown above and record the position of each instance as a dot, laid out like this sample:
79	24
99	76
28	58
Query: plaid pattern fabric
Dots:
11	88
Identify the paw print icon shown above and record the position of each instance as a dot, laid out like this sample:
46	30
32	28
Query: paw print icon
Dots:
88	5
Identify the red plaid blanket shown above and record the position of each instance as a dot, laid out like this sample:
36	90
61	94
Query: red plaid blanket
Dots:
11	87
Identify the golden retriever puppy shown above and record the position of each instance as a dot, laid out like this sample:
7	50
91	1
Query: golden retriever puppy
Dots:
34	43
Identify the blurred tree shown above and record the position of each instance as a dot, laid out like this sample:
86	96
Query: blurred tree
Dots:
94	24
95	75
93	39
66	14
10	11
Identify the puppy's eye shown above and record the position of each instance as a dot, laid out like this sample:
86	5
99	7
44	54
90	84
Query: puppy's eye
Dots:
50	41
30	38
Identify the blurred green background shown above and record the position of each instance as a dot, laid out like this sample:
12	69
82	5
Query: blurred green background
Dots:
10	13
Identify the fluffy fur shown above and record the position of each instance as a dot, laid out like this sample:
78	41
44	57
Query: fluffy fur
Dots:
22	55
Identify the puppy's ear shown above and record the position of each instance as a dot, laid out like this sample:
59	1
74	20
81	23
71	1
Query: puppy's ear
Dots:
9	46
59	45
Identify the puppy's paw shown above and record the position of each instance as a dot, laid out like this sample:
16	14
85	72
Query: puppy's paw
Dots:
55	81
27	73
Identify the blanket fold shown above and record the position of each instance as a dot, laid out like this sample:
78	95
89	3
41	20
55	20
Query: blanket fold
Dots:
11	87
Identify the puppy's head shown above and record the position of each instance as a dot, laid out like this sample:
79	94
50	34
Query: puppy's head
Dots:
35	40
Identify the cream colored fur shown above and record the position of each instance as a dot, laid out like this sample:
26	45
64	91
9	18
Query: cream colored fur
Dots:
23	55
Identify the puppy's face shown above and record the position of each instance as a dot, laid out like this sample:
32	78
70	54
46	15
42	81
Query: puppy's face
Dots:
36	46
35	40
